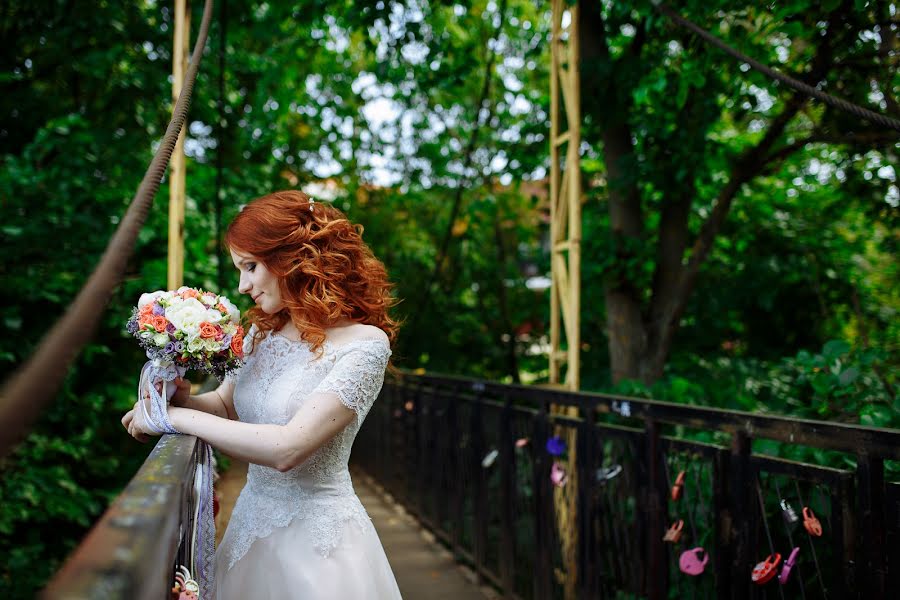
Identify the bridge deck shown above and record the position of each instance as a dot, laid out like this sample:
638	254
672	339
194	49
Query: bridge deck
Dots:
423	568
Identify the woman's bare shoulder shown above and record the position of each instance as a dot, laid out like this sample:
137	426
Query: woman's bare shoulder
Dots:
357	331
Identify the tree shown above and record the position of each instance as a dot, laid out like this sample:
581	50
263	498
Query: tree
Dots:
684	132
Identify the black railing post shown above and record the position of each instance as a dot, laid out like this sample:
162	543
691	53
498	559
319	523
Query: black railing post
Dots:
870	475
587	481
455	467
723	526
419	414
543	506
480	503
740	486
844	535
654	510
507	500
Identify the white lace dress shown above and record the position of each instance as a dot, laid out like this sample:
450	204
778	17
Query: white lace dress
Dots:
304	533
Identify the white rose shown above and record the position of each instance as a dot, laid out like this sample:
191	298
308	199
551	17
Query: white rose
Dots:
148	298
214	316
234	315
212	345
191	331
190	312
161	339
195	345
208	300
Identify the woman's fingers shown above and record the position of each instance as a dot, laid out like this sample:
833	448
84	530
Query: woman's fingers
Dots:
126	420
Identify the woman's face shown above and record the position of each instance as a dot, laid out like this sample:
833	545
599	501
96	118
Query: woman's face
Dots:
258	282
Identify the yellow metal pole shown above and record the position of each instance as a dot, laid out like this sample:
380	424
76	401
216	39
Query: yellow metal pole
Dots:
177	164
555	291
565	236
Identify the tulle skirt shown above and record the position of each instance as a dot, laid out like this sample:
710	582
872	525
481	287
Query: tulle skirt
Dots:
285	565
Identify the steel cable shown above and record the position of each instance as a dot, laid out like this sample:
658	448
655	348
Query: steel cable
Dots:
31	387
786	79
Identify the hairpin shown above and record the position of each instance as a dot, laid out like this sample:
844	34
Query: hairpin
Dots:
311	202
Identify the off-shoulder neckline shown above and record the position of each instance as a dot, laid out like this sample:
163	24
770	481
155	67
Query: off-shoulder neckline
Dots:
328	344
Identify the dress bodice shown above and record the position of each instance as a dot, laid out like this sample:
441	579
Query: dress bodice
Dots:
277	378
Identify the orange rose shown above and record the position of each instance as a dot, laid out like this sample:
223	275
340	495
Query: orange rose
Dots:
221	308
146	309
146	320
189	293
159	323
237	343
207	330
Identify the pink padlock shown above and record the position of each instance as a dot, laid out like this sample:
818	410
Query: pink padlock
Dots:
690	562
788	565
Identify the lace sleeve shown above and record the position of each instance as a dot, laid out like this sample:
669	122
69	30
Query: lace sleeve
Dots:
357	374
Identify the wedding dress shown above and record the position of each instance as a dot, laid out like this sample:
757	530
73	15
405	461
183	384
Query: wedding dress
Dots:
304	533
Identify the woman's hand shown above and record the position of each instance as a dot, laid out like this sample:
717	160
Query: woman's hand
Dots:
134	424
182	392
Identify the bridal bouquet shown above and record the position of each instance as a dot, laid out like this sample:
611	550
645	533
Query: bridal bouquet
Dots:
189	329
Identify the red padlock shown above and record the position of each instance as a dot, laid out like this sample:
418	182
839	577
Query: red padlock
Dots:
674	532
811	523
765	571
678	486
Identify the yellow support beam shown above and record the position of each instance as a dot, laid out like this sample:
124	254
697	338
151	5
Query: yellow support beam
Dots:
181	35
565	195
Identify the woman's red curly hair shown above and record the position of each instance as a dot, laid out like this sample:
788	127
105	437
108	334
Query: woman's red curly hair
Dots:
325	271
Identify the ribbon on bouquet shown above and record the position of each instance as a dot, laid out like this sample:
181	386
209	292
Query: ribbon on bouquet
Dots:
156	416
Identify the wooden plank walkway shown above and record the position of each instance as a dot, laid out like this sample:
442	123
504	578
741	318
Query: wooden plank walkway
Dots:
423	568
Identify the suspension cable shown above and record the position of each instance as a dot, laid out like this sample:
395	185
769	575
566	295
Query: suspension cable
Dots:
32	386
795	84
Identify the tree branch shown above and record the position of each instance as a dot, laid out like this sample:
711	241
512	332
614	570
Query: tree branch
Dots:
484	98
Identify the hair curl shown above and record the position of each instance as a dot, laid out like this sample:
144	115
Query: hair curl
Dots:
325	271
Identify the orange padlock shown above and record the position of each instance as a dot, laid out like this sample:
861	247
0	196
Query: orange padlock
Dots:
765	571
674	532
811	523
678	486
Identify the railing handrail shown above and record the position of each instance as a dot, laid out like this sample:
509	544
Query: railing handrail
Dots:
131	551
846	437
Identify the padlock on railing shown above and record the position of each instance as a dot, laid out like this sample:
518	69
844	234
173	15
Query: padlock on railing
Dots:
185	588
811	523
765	571
691	562
673	534
788	513
678	486
788	565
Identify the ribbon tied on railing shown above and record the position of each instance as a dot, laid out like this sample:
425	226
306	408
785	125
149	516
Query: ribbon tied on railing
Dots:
155	389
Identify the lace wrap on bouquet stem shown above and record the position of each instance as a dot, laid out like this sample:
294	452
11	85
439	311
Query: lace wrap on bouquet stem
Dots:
156	416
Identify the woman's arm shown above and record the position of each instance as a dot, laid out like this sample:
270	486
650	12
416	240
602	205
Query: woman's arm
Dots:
282	447
219	402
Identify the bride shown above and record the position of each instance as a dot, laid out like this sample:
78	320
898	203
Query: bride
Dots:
316	355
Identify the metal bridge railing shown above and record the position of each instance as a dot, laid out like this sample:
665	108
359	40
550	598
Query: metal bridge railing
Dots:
447	449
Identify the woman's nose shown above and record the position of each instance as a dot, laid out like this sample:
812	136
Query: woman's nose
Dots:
244	285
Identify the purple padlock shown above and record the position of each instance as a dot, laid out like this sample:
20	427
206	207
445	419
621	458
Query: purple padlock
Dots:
788	565
690	562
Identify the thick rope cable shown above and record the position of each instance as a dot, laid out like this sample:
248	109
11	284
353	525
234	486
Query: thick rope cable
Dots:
33	385
795	84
